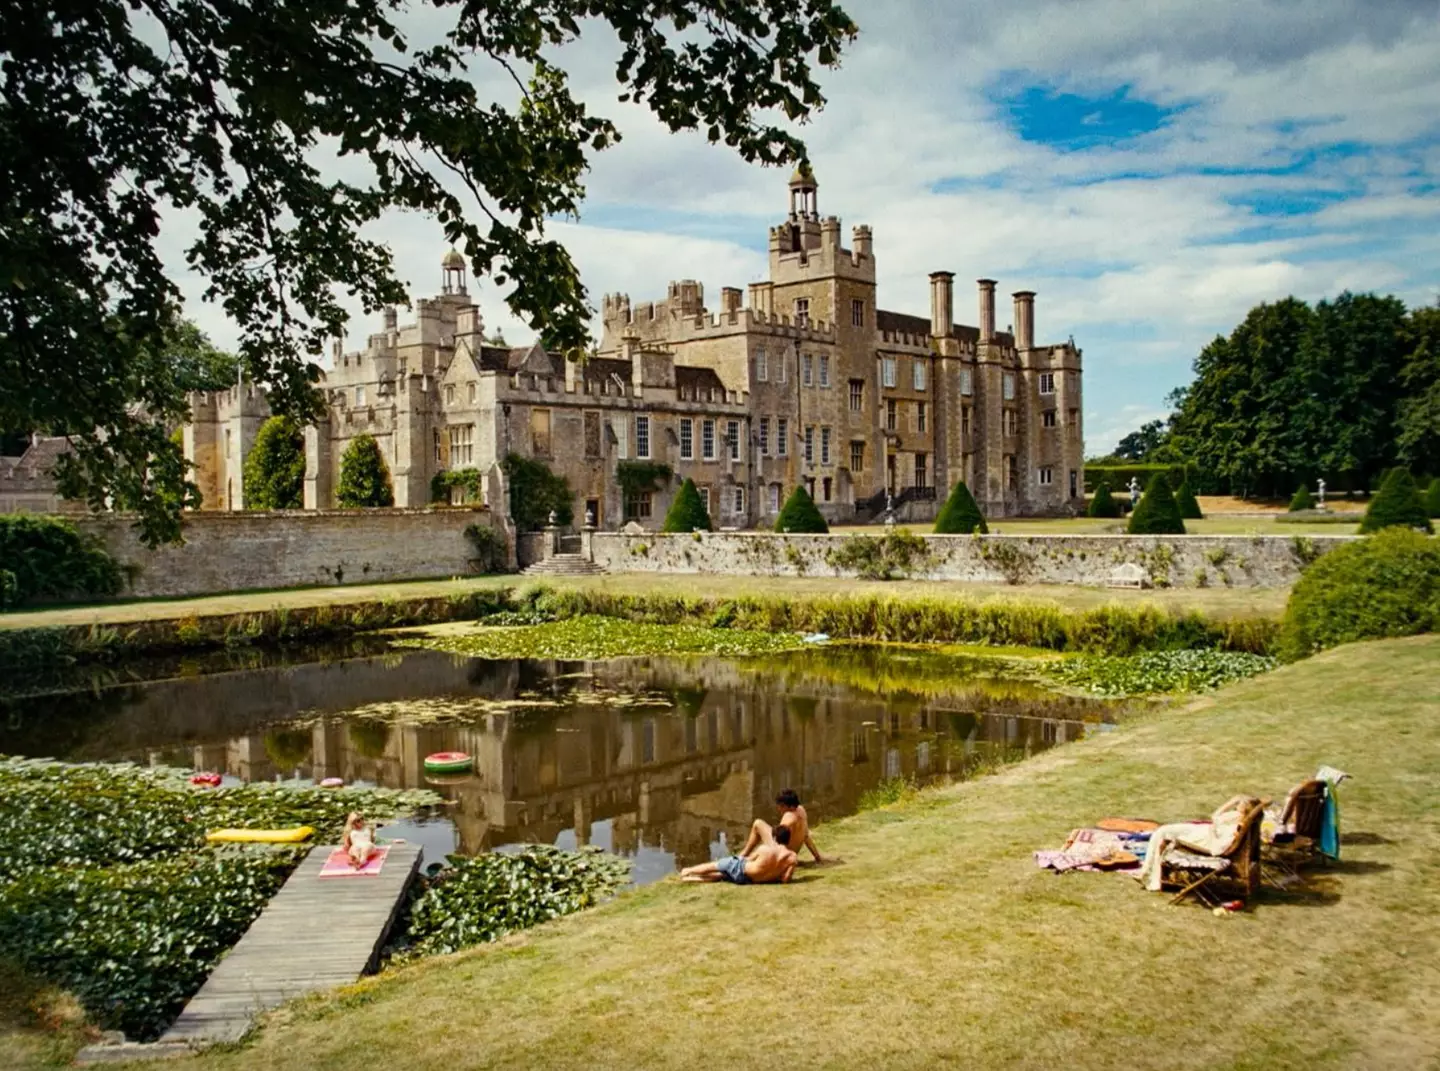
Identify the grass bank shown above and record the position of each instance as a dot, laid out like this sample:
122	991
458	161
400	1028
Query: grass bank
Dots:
1058	619
937	942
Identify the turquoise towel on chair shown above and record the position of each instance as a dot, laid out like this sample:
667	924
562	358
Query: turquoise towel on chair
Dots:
1330	825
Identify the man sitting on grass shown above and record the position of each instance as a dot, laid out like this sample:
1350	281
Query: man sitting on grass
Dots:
792	818
771	862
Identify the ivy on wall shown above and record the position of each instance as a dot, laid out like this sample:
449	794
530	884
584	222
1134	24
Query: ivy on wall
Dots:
472	481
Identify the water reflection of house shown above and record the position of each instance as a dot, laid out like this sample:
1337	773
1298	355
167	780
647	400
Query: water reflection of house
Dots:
675	776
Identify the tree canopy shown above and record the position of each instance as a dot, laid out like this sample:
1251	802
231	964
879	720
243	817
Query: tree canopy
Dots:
364	476
118	114
1295	393
274	472
1142	442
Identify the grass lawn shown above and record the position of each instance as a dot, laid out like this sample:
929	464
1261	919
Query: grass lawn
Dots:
1219	602
937	943
1221	524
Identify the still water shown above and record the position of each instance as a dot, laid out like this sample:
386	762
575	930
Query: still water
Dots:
663	760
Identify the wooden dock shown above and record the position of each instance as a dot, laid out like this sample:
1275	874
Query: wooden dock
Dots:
316	933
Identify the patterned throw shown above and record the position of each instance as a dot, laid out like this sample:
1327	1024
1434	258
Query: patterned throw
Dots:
340	866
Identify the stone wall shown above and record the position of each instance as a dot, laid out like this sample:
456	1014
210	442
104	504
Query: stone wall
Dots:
1174	561
293	548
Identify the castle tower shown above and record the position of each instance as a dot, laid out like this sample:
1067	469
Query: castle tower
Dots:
804	194
452	273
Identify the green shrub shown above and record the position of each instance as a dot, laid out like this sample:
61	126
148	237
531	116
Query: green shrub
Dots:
1388	585
489	546
1121	475
274	474
1189	506
364	476
1397	505
535	493
1301	499
1158	513
893	555
800	514
1103	503
960	515
687	513
472	481
1432	499
47	558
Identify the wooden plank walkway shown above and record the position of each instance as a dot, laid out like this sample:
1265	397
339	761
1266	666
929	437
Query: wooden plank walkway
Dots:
316	933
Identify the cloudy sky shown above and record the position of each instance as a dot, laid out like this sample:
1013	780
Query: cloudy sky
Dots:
1152	168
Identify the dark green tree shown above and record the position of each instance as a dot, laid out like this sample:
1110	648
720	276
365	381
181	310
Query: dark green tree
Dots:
1432	499
535	493
1396	505
800	514
1189	505
116	117
1157	513
960	515
364	476
274	476
1301	499
1418	441
1102	502
687	513
1142	442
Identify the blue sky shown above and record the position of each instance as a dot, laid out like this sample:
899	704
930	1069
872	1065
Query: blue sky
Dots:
1152	171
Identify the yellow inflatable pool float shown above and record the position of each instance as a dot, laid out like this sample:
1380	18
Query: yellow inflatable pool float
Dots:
260	836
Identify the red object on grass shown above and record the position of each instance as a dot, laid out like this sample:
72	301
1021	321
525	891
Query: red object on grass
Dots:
210	780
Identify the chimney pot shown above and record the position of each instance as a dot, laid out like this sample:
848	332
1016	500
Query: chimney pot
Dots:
987	309
1024	319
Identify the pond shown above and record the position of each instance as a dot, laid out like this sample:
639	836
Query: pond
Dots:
664	760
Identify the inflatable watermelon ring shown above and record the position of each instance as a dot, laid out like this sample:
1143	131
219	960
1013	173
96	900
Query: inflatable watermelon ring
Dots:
447	762
333	782
209	780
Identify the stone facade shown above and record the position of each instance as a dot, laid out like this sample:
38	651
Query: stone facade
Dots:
811	381
856	400
235	551
27	482
1173	561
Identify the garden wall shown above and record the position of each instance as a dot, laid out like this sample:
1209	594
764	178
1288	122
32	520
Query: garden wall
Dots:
1174	561
234	551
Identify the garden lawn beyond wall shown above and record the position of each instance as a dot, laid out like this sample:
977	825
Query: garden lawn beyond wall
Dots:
292	548
1168	561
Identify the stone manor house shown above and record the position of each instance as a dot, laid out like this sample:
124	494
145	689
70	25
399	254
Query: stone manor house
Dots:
809	380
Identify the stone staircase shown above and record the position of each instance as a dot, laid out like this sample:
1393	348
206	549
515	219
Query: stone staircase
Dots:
563	565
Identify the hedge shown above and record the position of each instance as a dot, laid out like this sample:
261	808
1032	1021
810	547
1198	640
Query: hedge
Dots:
48	559
1120	476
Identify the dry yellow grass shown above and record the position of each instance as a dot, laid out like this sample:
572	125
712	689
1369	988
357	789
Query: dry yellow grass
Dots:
1218	602
937	943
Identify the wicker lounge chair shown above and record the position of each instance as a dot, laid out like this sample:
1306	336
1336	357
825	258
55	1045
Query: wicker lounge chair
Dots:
1297	840
1238	866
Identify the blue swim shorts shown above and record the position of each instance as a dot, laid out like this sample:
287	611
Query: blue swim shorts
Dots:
732	869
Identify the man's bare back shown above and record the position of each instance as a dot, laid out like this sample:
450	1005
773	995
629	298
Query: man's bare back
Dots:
772	862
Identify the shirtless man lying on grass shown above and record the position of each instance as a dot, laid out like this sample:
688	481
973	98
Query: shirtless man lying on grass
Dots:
792	818
773	862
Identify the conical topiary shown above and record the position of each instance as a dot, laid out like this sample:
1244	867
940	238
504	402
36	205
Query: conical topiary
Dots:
960	515
1397	504
1189	505
1158	513
364	476
1102	502
800	514
274	472
687	513
1301	499
1432	498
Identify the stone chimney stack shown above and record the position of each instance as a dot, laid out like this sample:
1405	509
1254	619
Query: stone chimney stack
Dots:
942	303
862	241
987	309
731	298
1024	319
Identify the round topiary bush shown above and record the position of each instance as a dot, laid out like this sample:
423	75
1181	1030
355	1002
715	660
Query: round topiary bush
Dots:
687	513
1396	505
1158	513
1103	503
960	515
800	514
1387	585
1188	503
1301	500
364	476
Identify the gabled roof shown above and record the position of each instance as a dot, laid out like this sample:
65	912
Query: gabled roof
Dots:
691	380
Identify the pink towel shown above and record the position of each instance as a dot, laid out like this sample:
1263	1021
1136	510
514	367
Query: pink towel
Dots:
340	866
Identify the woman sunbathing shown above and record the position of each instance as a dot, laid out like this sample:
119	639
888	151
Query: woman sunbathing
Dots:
1207	838
359	840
